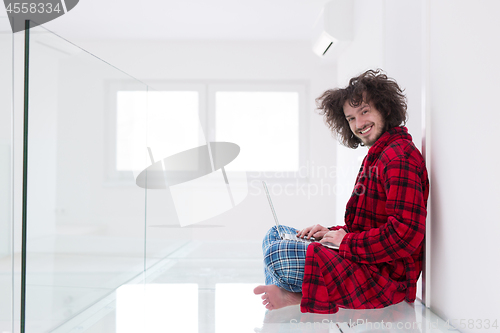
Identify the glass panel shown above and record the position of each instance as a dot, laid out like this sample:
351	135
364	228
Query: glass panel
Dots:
264	124
173	129
6	253
85	234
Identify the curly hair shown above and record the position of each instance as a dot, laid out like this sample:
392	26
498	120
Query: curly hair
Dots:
371	86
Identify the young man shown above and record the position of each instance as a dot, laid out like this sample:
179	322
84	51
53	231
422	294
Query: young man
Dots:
381	244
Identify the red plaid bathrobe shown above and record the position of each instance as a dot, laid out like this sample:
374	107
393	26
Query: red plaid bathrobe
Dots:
380	258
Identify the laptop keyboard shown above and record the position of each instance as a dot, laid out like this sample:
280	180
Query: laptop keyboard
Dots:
298	239
308	241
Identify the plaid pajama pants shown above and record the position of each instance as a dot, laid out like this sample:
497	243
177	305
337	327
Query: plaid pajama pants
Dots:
284	260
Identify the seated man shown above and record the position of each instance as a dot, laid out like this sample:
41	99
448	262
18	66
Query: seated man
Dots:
381	244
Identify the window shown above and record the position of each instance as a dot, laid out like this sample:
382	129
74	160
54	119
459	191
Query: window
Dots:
263	122
267	121
172	118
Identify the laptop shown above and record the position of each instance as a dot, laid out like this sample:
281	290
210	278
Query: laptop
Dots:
292	237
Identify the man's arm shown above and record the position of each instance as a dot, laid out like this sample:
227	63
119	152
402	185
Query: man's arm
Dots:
404	230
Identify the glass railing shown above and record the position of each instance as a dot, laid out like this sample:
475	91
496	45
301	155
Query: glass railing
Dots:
91	227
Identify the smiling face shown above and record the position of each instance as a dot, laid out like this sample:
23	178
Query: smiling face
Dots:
365	121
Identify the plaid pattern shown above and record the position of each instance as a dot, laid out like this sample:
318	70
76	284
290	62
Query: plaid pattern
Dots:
284	260
380	258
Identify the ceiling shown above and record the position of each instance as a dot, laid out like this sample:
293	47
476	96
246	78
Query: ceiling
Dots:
189	20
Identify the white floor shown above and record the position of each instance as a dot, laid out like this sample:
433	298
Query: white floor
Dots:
207	287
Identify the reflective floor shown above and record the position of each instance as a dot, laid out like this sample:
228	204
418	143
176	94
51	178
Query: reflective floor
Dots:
207	287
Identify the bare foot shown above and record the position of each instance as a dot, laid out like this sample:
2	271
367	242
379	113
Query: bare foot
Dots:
276	298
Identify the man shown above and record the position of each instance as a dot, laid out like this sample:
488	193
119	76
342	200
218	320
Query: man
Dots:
380	250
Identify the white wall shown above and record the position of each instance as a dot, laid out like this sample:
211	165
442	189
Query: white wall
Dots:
464	71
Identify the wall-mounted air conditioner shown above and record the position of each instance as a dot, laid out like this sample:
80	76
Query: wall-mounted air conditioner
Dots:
334	26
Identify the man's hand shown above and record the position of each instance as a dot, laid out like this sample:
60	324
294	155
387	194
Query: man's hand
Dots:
334	236
317	231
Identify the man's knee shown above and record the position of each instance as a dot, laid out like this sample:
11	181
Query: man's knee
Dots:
271	235
271	254
271	232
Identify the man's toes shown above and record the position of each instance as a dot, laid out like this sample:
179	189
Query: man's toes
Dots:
259	290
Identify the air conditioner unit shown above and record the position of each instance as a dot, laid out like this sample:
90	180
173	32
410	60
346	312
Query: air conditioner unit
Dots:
334	27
